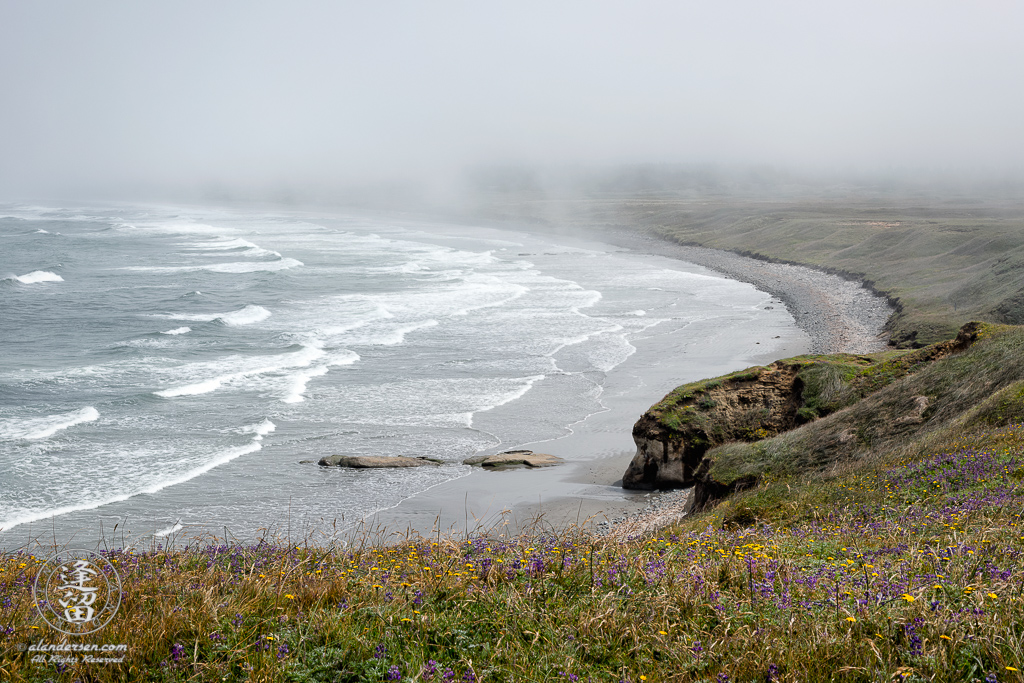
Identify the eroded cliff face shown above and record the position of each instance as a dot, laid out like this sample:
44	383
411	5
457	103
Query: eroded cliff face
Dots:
759	403
672	437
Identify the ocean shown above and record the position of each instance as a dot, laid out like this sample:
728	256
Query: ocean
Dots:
170	368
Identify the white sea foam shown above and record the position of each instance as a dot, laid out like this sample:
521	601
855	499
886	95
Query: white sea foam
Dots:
182	228
178	330
169	530
410	267
259	430
259	366
237	245
37	276
638	312
614	350
508	397
573	341
195	389
387	335
299	382
223	244
592	299
44	427
244	316
297	387
235	267
518	292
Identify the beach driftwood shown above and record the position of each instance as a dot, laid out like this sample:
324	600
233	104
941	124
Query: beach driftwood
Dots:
374	461
514	459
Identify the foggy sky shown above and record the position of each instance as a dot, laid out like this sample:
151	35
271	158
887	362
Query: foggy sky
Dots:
111	97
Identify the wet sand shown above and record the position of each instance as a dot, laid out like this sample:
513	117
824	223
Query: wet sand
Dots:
831	314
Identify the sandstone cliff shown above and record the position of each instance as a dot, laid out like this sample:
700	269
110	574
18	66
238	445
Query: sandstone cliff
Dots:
716	434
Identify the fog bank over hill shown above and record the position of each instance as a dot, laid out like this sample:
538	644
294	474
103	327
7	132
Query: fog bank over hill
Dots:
381	103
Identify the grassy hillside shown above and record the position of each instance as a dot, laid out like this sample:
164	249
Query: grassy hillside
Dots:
972	390
909	569
944	260
905	562
945	265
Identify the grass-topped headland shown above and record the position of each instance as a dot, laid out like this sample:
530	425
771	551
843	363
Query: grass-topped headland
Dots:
815	412
704	427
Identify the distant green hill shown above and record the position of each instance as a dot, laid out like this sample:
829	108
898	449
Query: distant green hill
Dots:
942	264
942	260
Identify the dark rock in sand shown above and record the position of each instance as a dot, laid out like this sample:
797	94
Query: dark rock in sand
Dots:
510	459
375	461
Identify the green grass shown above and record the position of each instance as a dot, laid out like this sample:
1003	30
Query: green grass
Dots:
943	259
909	567
944	265
905	562
875	411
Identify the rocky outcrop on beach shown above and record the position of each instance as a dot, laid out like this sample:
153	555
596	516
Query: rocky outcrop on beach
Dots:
375	461
672	437
510	459
719	435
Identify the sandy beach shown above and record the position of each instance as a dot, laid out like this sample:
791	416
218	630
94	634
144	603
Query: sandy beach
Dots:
832	315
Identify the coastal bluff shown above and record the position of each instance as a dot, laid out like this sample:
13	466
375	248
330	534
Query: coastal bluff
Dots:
726	434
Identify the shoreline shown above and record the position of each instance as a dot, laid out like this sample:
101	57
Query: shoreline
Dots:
840	315
587	489
836	314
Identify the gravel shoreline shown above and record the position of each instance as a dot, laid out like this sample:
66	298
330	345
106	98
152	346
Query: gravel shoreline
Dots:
839	315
